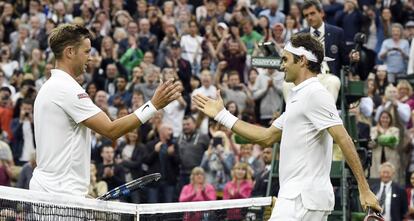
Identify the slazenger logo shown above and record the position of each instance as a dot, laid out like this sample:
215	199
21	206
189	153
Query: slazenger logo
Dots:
83	95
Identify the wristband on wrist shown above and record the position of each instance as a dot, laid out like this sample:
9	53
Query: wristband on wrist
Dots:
145	112
226	118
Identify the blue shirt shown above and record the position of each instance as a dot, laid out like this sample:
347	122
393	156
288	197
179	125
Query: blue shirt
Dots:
394	59
279	17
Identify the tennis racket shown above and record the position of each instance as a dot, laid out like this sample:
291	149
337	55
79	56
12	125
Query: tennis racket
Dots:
127	188
373	216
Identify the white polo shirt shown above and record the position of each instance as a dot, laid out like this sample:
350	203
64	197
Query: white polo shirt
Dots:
63	143
306	145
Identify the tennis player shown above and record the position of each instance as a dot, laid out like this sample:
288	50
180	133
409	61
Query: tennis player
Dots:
64	115
305	131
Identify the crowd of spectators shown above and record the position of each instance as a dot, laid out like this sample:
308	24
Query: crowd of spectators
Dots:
206	45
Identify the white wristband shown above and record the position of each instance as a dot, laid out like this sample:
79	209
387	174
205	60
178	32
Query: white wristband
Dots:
145	112
226	118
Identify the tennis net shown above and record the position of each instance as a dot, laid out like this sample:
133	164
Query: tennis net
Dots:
24	205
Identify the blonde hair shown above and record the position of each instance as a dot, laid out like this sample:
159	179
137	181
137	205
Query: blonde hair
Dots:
405	83
196	170
245	167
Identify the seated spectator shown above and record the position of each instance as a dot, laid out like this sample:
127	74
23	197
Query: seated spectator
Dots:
246	156
197	190
96	187
381	79
410	198
392	197
26	173
108	171
383	151
240	187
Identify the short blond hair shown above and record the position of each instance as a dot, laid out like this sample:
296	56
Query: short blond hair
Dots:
389	165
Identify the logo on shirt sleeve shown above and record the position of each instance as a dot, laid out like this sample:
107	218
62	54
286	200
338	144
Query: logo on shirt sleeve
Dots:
83	95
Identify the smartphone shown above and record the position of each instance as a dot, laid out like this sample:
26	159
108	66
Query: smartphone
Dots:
217	141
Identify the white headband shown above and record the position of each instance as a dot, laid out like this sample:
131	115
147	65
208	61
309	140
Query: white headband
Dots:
299	51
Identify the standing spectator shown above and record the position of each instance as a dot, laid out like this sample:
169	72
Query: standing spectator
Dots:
268	89
8	20
152	76
394	52
236	91
59	15
392	198
381	80
121	91
129	155
23	130
250	37
273	13
350	20
218	161
191	146
133	55
36	64
191	46
162	157
174	114
239	188
147	40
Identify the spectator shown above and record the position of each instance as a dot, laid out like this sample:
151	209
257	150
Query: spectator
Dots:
350	20
23	130
191	46
391	196
197	190
8	65
191	146
410	201
129	155
381	80
26	173
6	112
162	157
152	76
262	180
394	52
250	37
96	187
384	151
239	188
147	40
246	156
232	50
121	91
236	91
36	64
218	160
174	114
274	15
401	112
268	89
133	56
109	171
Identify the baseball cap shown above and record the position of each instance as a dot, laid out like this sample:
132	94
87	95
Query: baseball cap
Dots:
223	25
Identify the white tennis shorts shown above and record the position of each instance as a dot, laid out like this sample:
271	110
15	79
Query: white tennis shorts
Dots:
293	210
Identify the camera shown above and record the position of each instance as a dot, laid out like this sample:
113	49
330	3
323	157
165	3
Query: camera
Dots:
217	141
27	114
238	87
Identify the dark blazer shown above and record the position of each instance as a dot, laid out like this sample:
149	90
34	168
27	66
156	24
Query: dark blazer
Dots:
260	186
334	48
135	164
18	140
399	204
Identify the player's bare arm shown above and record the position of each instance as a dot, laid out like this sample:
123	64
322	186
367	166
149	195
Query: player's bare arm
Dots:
256	134
100	123
341	137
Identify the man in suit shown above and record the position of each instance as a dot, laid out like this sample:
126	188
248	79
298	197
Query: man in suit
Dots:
262	180
392	198
331	37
